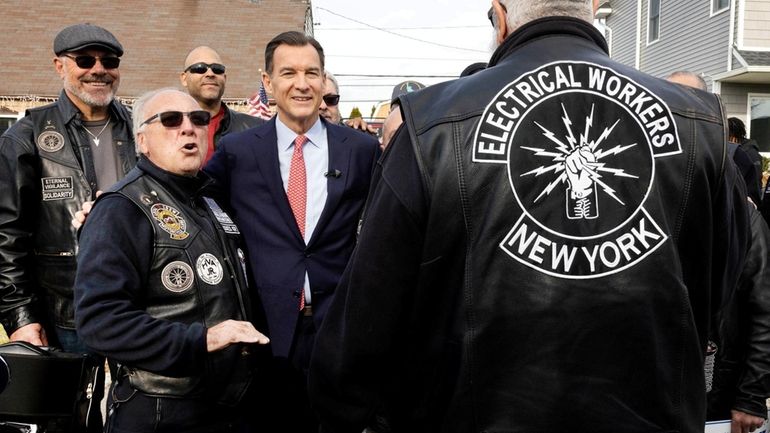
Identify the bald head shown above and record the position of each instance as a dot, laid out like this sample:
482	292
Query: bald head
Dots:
206	87
690	79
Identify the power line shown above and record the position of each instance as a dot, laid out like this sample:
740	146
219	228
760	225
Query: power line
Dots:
403	58
400	28
395	75
399	34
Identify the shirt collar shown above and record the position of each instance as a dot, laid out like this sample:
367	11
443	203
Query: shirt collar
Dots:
286	136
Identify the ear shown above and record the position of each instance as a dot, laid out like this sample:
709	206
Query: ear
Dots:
596	6
502	21
59	66
183	79
141	141
266	81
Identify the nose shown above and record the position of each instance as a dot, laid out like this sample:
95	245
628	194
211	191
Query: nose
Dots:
187	127
98	68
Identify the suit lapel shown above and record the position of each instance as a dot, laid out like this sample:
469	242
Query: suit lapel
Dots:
266	156
339	159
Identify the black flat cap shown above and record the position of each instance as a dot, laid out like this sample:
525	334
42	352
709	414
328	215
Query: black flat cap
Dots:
79	36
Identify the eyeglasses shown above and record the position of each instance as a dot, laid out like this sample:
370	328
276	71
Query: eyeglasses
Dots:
201	68
88	62
171	119
331	99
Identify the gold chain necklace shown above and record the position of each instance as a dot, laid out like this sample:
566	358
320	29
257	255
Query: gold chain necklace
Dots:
96	137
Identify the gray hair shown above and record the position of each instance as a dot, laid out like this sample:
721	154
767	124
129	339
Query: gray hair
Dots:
137	112
522	12
688	78
331	78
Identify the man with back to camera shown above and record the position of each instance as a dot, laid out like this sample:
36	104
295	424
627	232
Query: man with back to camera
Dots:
204	77
164	292
296	187
51	161
560	251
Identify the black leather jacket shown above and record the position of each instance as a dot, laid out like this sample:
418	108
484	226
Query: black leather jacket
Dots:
742	334
234	121
562	229
46	173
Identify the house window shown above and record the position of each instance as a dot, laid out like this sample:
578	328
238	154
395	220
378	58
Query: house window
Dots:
718	5
653	24
759	121
6	122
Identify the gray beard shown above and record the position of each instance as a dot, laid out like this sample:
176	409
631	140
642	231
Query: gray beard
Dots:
90	100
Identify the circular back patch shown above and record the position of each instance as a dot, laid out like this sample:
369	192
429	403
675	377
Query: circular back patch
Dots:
177	276
209	269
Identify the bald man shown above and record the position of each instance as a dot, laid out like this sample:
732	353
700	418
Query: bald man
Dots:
204	78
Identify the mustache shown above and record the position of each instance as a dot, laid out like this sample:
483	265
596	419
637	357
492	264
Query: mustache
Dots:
97	78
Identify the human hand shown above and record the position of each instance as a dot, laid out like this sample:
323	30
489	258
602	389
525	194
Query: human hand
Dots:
230	332
32	333
82	214
359	123
743	422
579	179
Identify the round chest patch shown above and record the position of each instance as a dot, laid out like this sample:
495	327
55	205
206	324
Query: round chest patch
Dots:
50	141
170	220
177	276
209	269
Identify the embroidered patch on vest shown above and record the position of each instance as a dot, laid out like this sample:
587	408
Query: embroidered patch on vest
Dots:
170	220
222	217
57	188
209	269
50	141
580	143
177	276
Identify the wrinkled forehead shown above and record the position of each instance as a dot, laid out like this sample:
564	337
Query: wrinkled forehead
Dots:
171	100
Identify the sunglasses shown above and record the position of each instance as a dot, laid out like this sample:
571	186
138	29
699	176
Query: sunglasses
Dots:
88	62
171	119
331	99
201	68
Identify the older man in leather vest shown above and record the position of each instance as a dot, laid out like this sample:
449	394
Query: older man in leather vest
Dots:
163	291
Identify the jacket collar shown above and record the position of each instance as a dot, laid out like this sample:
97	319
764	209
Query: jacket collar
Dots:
183	188
546	27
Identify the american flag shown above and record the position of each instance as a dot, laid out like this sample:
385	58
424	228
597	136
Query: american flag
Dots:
258	105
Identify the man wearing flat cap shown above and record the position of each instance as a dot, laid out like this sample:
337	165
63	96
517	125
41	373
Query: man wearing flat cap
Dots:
51	161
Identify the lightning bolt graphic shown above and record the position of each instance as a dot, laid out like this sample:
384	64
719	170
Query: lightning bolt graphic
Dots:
542	152
540	170
589	124
604	135
562	177
614	151
567	124
616	171
607	189
551	136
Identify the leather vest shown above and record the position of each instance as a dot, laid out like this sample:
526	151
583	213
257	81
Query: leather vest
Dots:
67	179
194	278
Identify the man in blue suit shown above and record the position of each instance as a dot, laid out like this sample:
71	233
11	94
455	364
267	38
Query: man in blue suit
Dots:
296	188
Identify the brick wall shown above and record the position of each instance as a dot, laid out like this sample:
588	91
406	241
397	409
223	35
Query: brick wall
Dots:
156	37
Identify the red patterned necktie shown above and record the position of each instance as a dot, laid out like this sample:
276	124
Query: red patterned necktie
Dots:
297	193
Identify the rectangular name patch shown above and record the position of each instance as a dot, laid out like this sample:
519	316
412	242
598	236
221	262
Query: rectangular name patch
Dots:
57	188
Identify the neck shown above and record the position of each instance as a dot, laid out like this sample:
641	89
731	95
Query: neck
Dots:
299	126
212	107
88	112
